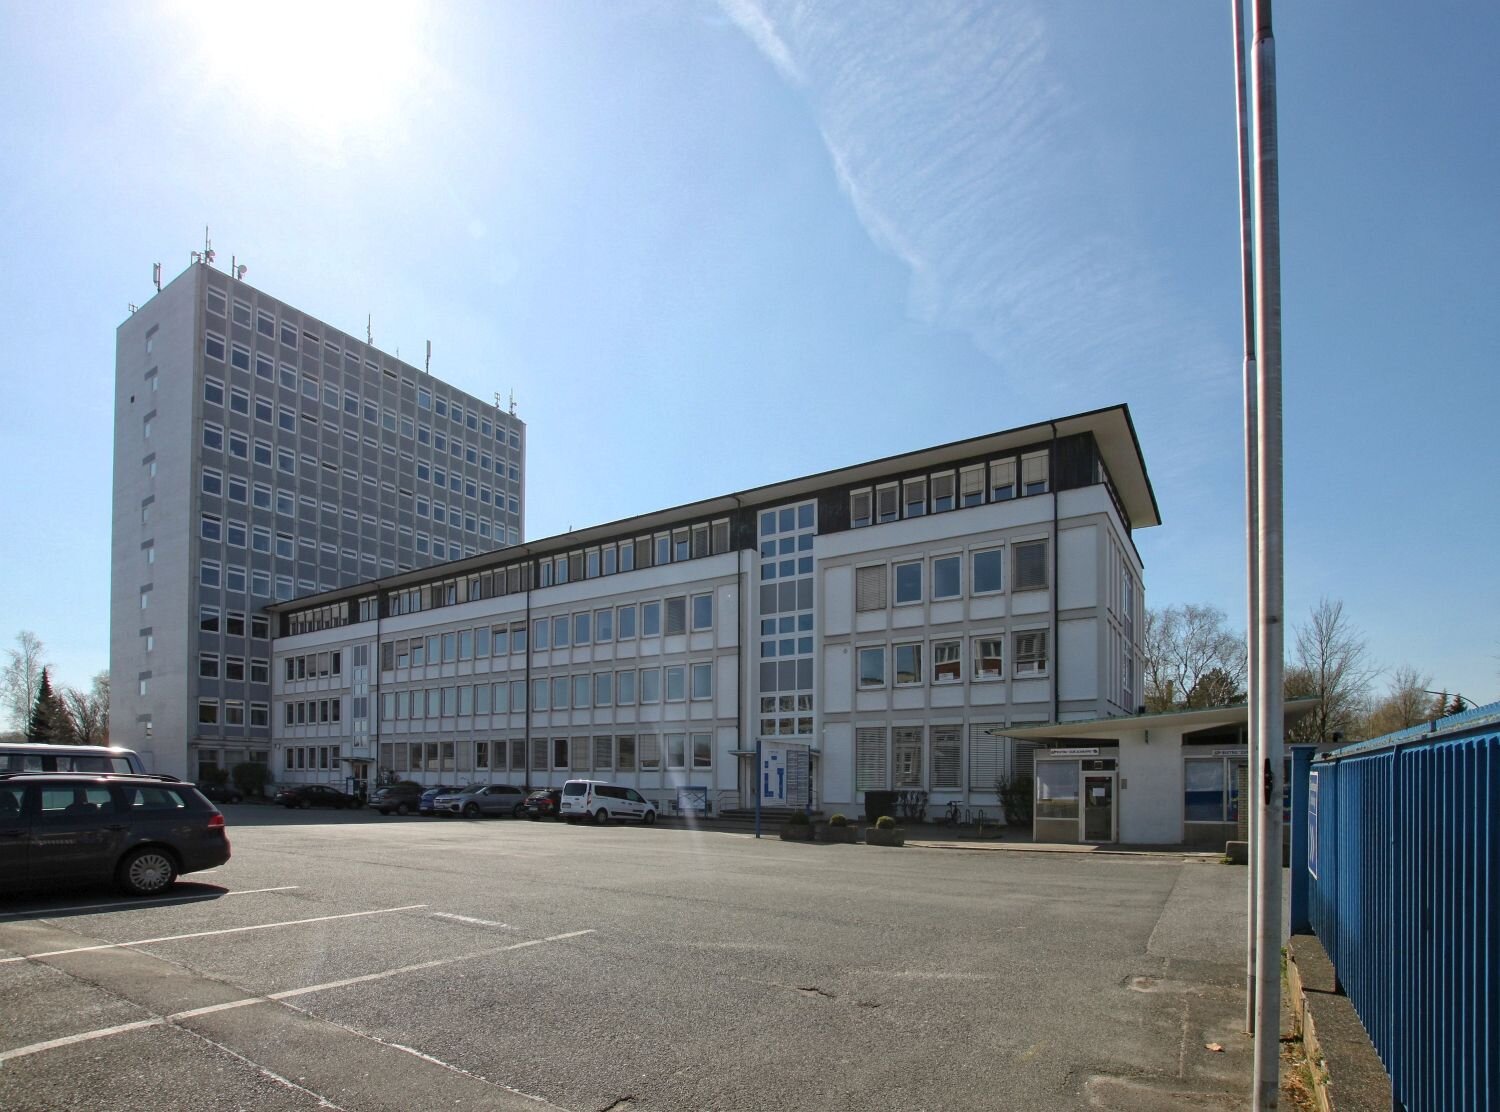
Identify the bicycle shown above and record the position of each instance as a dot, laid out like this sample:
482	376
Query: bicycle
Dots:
954	816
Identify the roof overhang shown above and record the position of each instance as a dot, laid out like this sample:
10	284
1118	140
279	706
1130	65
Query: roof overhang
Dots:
1101	729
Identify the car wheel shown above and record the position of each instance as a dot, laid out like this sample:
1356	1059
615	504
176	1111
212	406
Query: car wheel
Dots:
601	816
147	871
306	804
400	808
471	810
518	810
649	818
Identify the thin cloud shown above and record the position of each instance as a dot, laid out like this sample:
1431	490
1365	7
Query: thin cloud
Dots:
965	155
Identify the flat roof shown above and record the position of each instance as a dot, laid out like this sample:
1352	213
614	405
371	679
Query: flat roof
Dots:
1235	714
1112	429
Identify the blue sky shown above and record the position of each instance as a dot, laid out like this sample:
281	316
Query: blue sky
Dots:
710	245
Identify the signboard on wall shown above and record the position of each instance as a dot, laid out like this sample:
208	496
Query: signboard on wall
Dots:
1312	823
1088	752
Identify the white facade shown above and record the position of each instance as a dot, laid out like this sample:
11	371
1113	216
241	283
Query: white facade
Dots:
853	646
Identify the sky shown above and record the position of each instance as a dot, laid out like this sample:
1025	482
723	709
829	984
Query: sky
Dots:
710	245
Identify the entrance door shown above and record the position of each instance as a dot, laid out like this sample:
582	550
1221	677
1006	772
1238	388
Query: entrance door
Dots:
1099	807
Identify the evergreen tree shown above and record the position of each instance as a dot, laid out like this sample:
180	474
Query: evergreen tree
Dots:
50	721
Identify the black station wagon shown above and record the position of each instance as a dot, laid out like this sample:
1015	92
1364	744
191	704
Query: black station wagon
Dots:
141	832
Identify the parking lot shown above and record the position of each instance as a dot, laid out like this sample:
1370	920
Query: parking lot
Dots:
351	961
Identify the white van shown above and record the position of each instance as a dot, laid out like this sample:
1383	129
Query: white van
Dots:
598	801
32	756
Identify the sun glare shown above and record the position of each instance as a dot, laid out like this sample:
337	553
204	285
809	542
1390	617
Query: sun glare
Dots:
331	67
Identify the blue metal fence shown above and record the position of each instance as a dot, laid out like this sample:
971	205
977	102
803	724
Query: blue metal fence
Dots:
1404	864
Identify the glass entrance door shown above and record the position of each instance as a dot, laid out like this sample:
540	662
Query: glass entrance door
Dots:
1099	807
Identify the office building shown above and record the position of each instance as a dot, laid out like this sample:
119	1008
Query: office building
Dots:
876	627
261	454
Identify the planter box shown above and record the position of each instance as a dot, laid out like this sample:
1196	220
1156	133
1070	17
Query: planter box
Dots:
797	833
844	835
874	836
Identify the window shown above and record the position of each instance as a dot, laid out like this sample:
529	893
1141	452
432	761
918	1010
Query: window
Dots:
947	577
914	497
676	683
907	753
1030	571
1057	790
676	750
1204	782
703	681
942	492
908	664
1002	480
989	658
1034	473
908	583
1031	652
650	685
209	527
582	633
703	751
212	481
676	615
213	391
947	757
560	630
870	758
988	571
971	485
625	688
860	508
604	689
208	666
947	661
208	712
626	620
213	346
887	504
872	667
703	611
604	625
213	436
870	588
650	619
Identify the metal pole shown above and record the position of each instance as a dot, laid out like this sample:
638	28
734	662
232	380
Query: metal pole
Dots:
1252	497
1267	1085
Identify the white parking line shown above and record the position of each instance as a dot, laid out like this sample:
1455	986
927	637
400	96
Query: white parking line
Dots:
287	994
170	901
207	934
469	919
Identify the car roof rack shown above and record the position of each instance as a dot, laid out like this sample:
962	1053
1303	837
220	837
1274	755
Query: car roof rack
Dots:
12	774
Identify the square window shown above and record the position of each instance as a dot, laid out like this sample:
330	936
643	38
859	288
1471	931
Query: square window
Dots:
872	667
908	583
947	577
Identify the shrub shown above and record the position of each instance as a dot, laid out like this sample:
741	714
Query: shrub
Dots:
885	822
213	775
797	818
252	777
1016	795
838	820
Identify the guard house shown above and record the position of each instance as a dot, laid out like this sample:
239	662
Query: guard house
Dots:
1171	778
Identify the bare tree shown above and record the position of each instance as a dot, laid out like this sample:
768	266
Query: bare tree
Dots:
1192	658
1406	703
1333	665
89	711
22	678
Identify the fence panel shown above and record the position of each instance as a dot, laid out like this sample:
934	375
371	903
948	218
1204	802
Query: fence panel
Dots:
1406	901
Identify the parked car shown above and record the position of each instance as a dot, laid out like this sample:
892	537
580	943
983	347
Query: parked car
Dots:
141	832
35	756
424	803
543	804
599	802
401	797
481	799
220	793
313	795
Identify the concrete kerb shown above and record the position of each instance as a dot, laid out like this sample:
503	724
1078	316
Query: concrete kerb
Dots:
1347	1073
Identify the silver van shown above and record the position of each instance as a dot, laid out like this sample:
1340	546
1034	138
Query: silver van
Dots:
599	801
31	756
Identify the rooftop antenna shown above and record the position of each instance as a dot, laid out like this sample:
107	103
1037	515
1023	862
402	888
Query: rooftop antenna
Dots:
427	367
156	275
208	247
513	402
237	268
369	336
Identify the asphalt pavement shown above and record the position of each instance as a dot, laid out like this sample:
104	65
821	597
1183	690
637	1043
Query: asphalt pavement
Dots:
352	961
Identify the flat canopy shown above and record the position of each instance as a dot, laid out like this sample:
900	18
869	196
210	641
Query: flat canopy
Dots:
1112	728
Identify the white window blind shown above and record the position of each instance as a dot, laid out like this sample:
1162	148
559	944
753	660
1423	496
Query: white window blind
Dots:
604	751
578	754
947	757
986	755
869	758
870	588
1031	565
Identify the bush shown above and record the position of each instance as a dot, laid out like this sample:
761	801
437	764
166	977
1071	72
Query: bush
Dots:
213	775
838	820
252	777
1016	794
885	822
797	818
